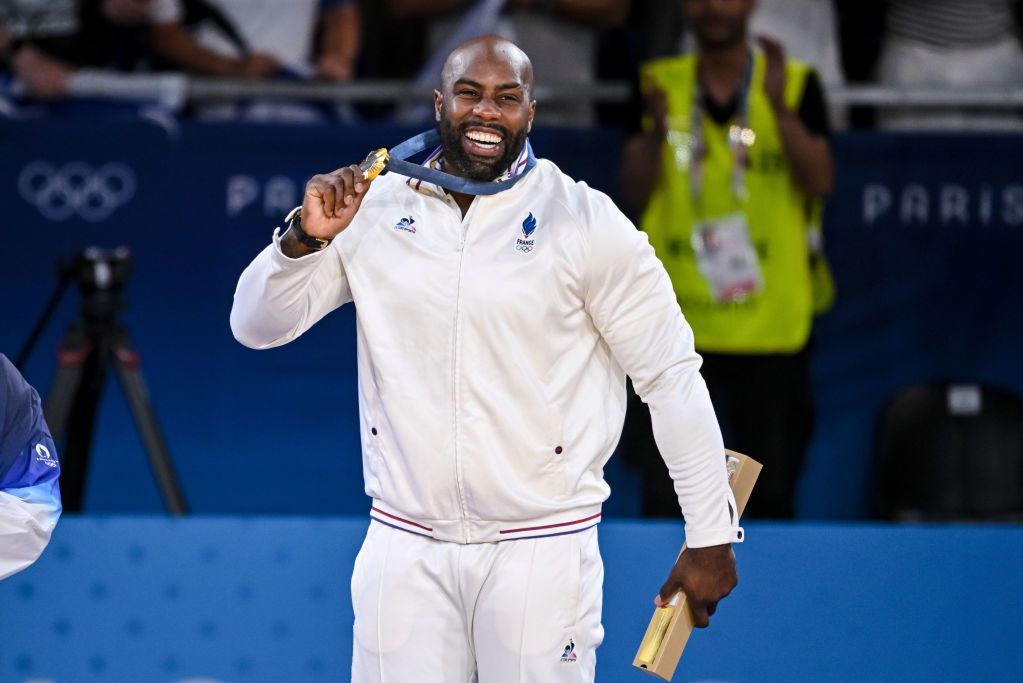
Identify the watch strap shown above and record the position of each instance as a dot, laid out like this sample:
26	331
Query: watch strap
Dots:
295	225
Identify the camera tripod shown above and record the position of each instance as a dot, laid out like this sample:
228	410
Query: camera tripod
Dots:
92	346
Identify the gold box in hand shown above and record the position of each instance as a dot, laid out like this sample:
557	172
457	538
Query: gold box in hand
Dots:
670	626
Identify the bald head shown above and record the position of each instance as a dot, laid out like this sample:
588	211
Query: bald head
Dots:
486	53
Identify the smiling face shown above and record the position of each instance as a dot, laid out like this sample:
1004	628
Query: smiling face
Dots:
484	107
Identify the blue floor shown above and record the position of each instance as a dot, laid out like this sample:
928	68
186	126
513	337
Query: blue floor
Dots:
266	599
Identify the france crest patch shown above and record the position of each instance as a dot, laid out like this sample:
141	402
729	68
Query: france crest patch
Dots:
526	243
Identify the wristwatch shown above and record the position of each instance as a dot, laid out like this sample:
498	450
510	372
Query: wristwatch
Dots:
295	225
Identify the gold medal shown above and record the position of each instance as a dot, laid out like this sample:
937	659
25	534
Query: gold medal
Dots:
374	163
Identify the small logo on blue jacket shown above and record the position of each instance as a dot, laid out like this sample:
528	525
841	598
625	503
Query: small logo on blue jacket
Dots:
525	244
44	456
406	224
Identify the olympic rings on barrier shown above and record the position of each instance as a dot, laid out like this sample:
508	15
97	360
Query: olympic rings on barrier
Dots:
76	189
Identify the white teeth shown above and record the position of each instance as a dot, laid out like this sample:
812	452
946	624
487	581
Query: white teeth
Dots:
486	138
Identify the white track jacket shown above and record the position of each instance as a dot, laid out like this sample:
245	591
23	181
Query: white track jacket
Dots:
492	355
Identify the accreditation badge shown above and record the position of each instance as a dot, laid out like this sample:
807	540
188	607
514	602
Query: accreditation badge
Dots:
727	259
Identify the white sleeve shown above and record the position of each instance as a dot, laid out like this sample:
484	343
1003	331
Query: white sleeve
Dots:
278	298
25	529
631	301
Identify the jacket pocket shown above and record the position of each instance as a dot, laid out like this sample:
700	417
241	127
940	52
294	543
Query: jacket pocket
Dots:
556	451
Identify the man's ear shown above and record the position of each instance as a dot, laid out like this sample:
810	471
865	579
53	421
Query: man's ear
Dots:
532	113
438	101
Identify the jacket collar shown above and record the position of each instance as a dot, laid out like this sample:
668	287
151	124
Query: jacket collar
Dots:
436	161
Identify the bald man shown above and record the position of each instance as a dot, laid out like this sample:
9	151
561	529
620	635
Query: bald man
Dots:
495	332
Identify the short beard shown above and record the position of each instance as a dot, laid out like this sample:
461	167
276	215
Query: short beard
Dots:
474	169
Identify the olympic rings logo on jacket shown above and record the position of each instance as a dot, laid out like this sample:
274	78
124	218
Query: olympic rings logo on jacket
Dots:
76	188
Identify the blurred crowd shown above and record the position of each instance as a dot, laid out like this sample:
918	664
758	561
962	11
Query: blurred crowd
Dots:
44	44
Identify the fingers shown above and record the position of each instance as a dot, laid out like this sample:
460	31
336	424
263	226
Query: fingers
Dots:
353	185
667	592
701	616
343	182
330	191
342	189
359	183
705	576
321	186
351	182
701	611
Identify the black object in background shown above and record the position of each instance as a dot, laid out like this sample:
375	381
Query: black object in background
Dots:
951	452
92	346
861	27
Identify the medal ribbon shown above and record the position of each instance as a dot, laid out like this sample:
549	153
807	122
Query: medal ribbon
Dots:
736	134
430	139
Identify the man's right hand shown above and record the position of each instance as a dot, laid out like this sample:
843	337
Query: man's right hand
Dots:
331	202
705	576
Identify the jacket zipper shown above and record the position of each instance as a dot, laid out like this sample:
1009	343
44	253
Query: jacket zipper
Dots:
457	366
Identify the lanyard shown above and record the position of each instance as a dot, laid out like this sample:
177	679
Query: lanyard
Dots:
430	139
740	137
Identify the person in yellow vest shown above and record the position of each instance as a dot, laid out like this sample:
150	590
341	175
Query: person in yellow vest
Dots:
729	170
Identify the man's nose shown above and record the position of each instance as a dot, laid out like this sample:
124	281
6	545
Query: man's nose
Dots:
486	108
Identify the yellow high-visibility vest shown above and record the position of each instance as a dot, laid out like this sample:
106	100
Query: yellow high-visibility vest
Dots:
777	211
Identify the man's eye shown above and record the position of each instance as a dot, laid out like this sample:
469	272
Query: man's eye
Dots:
509	98
467	93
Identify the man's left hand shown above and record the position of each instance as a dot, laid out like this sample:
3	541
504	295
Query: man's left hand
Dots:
705	576
774	75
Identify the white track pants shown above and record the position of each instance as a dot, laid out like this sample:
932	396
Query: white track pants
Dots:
518	611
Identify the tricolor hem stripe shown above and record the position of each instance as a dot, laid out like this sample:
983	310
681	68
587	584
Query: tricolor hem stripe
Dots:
400	519
550	526
399	528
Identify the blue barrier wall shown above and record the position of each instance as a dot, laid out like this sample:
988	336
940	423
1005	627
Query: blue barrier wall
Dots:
254	600
924	233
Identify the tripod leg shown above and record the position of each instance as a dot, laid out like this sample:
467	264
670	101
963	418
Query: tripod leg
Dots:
70	363
37	330
71	411
129	372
